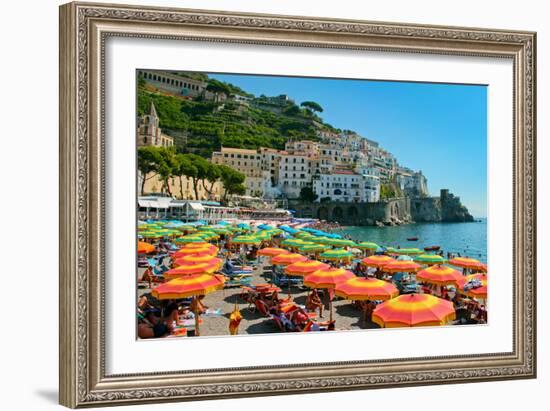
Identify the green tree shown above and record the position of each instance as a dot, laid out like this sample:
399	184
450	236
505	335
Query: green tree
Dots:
213	174
232	180
312	106
167	167
308	195
184	167
149	161
201	165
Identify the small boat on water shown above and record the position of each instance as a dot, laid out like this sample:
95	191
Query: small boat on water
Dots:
412	239
432	248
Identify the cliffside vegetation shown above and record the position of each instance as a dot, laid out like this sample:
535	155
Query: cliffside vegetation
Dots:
202	127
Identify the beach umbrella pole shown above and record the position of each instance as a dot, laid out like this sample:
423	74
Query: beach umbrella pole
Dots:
197	329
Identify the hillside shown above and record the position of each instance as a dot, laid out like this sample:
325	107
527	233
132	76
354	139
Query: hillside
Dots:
204	126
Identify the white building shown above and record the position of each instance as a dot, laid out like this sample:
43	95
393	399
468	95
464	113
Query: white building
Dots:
413	183
294	174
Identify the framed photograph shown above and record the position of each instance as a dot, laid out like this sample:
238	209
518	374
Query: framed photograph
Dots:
264	205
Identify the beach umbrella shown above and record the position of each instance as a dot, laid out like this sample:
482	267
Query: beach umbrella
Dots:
367	246
429	259
321	240
473	285
207	235
145	248
198	259
404	258
327	278
313	248
272	251
408	251
189	286
390	250
150	234
235	319
207	250
338	254
189	239
183	270
246	239
173	224
287	259
468	263
293	242
400	266
413	310
244	226
439	275
342	242
302	268
361	288
376	261
202	244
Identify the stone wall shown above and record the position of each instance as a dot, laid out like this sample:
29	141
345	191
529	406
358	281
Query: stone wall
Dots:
445	208
390	212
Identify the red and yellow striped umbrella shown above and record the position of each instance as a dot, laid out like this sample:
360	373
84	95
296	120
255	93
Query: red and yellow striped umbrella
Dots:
327	278
470	263
197	245
401	266
198	259
361	288
145	248
272	251
439	275
302	268
376	260
287	259
183	270
208	250
472	279
189	286
413	310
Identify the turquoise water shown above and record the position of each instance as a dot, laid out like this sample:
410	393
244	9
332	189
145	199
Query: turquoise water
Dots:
468	239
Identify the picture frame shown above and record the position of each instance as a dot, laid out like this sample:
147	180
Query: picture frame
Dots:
84	29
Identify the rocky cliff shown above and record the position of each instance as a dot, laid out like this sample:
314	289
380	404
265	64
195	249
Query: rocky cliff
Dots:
445	208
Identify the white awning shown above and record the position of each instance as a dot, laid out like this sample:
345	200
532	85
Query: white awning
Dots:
196	206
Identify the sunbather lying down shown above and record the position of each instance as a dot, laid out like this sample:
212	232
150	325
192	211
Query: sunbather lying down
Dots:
152	326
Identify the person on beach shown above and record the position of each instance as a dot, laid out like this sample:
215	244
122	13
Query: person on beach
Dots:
148	276
313	302
197	305
150	326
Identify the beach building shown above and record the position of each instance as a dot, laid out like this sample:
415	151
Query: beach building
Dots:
249	163
183	188
149	133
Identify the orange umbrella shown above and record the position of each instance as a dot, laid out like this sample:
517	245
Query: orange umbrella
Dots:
469	263
145	248
199	244
286	259
272	251
302	268
467	285
361	288
413	310
198	259
189	286
327	278
184	270
439	275
401	266
209	250
376	261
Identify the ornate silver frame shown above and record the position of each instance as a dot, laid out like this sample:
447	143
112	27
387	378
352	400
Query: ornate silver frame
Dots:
83	30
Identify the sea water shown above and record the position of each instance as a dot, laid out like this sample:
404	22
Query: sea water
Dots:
467	239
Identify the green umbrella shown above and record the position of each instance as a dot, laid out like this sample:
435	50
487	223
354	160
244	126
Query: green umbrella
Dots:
150	234
368	246
189	239
247	239
408	251
430	259
313	248
337	254
321	240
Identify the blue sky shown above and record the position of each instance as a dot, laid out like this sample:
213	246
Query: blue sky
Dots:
440	129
